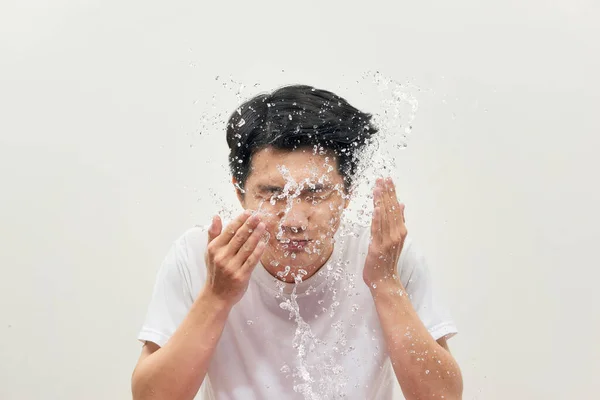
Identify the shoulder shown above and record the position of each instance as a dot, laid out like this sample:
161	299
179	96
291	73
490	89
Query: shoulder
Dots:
411	261
187	257
192	245
194	239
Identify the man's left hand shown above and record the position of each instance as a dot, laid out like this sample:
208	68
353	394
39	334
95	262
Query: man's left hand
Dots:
388	231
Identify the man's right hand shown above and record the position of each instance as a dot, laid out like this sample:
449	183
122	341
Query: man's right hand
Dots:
230	257
232	254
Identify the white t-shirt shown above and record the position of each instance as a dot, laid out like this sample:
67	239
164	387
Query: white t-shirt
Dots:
330	347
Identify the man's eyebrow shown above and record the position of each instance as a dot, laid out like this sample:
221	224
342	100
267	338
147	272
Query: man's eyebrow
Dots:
306	186
269	188
318	186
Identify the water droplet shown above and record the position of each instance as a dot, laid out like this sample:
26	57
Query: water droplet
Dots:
249	322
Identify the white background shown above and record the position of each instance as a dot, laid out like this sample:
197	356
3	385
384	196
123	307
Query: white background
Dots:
102	166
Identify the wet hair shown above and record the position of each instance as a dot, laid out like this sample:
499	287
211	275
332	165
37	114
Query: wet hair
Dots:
293	117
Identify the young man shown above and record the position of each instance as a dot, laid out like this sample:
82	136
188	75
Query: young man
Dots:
282	303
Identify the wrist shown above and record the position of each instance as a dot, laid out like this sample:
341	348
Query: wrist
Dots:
388	287
214	302
388	283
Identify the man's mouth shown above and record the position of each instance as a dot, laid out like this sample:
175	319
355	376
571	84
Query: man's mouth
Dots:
295	245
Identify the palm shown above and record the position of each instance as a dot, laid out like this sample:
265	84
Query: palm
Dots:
388	231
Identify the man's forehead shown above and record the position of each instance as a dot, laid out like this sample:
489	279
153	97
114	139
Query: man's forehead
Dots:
305	153
296	161
271	166
303	175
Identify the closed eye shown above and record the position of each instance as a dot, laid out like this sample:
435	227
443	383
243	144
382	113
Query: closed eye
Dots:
271	189
318	193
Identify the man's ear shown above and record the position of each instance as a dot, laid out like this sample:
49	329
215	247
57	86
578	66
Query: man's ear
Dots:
238	191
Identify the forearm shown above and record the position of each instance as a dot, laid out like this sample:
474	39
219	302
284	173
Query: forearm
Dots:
177	370
424	369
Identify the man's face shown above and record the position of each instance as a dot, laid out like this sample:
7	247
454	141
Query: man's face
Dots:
300	196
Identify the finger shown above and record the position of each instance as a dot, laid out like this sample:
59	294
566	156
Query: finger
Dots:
227	233
215	228
253	259
386	215
393	209
402	208
393	193
376	224
242	235
250	245
399	206
376	219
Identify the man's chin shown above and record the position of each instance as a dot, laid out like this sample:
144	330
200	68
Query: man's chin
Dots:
299	260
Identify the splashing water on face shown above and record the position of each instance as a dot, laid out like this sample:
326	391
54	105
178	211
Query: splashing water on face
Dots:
324	379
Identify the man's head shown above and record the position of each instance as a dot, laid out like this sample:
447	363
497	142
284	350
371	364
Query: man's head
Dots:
293	157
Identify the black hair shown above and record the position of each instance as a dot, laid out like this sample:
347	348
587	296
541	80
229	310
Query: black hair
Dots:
293	117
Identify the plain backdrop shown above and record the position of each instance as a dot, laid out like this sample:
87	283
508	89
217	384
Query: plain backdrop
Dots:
110	140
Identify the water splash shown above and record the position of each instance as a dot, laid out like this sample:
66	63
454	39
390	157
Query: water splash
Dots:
395	117
324	379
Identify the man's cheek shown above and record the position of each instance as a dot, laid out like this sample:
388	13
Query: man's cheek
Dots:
274	227
329	214
267	215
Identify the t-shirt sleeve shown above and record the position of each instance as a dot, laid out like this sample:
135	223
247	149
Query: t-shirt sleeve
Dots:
418	283
172	296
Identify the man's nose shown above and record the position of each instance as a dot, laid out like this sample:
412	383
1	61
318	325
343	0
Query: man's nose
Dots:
295	217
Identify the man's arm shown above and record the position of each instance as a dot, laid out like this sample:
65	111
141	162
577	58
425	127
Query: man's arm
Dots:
423	367
176	371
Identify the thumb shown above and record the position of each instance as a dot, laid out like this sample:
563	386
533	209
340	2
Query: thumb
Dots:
215	228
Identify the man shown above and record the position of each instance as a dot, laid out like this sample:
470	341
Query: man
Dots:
282	302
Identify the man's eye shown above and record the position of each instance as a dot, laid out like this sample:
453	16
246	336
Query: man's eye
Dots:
317	191
317	195
277	196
